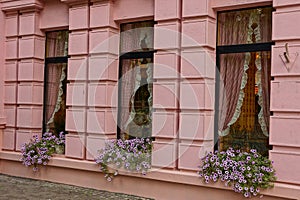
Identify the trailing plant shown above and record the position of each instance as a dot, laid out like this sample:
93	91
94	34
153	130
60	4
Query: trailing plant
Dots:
39	151
245	172
132	155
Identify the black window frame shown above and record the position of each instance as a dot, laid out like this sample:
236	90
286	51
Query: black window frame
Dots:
127	56
51	60
228	49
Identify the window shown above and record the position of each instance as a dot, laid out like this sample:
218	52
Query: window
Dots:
55	81
243	82
135	80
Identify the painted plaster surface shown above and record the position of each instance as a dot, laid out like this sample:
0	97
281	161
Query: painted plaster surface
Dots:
183	88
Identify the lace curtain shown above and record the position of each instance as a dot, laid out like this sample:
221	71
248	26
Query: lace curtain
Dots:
55	77
137	37
56	46
132	83
251	26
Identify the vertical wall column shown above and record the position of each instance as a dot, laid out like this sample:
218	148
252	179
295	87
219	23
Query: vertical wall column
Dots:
30	76
77	77
285	96
11	80
93	73
102	76
196	118
2	72
23	77
166	83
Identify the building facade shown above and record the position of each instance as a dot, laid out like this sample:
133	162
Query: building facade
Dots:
196	75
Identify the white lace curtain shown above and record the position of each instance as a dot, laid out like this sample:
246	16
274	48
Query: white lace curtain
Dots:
131	83
55	76
57	46
239	28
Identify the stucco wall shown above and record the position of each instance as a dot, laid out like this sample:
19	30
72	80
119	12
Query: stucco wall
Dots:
183	120
54	15
285	97
2	72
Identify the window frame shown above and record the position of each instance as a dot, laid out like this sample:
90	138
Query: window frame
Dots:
229	49
127	56
51	60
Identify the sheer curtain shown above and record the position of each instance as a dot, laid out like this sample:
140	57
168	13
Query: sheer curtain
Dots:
245	27
56	46
55	75
233	79
137	37
233	76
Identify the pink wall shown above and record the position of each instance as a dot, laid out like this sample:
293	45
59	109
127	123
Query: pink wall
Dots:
183	98
54	15
2	72
23	83
284	92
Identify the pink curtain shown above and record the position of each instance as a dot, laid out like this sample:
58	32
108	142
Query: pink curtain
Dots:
127	82
241	27
137	37
231	65
265	32
54	72
265	83
231	75
57	44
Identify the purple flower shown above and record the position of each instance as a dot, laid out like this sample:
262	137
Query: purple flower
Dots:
246	194
253	151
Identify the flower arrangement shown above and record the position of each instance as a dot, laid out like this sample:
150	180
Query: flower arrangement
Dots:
39	151
132	155
245	172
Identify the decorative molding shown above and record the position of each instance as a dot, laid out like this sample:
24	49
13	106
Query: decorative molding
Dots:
23	5
2	122
75	2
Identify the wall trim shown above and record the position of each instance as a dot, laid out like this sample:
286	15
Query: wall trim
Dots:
10	164
14	5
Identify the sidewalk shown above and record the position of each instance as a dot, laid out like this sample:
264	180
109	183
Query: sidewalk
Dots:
12	188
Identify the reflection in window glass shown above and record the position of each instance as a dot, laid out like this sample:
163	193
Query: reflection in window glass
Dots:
137	36
57	44
237	27
136	69
244	101
55	82
244	86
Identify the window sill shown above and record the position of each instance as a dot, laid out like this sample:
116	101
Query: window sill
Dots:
283	190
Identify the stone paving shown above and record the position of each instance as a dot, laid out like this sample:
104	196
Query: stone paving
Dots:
12	188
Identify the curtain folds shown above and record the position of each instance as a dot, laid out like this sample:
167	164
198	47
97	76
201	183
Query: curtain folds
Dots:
248	27
58	90
127	87
54	75
137	83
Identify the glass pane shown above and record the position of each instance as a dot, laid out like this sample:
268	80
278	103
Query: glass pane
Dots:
137	36
55	97
135	110
245	26
57	44
244	109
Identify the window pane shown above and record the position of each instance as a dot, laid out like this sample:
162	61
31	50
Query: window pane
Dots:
244	109
137	36
55	97
245	26
57	44
135	103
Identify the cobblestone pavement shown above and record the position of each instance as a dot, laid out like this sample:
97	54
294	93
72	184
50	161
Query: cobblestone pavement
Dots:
12	188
